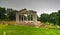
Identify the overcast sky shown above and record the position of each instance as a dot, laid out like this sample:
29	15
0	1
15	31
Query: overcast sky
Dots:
41	6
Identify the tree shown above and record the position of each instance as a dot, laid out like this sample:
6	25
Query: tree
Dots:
58	17
44	17
11	14
53	18
2	13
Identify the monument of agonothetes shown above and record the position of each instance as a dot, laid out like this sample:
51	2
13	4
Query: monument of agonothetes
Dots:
24	12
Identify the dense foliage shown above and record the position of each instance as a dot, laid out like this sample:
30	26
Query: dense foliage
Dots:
7	14
54	18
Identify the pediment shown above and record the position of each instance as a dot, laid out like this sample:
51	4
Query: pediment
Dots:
25	11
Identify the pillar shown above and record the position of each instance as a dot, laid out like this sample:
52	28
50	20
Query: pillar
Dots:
27	17
23	18
35	19
17	18
30	17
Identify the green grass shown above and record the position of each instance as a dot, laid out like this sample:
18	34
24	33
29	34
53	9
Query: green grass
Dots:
27	30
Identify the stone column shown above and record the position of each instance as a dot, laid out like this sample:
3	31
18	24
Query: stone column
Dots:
23	18
35	19
20	18
27	17
30	17
17	18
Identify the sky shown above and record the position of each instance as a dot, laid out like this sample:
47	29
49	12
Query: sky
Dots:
41	6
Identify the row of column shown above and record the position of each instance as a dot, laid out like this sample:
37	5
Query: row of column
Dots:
21	18
34	18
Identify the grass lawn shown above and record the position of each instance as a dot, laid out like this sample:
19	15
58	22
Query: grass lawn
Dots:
27	30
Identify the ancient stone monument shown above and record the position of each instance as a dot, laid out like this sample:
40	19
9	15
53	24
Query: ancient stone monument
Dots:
20	17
